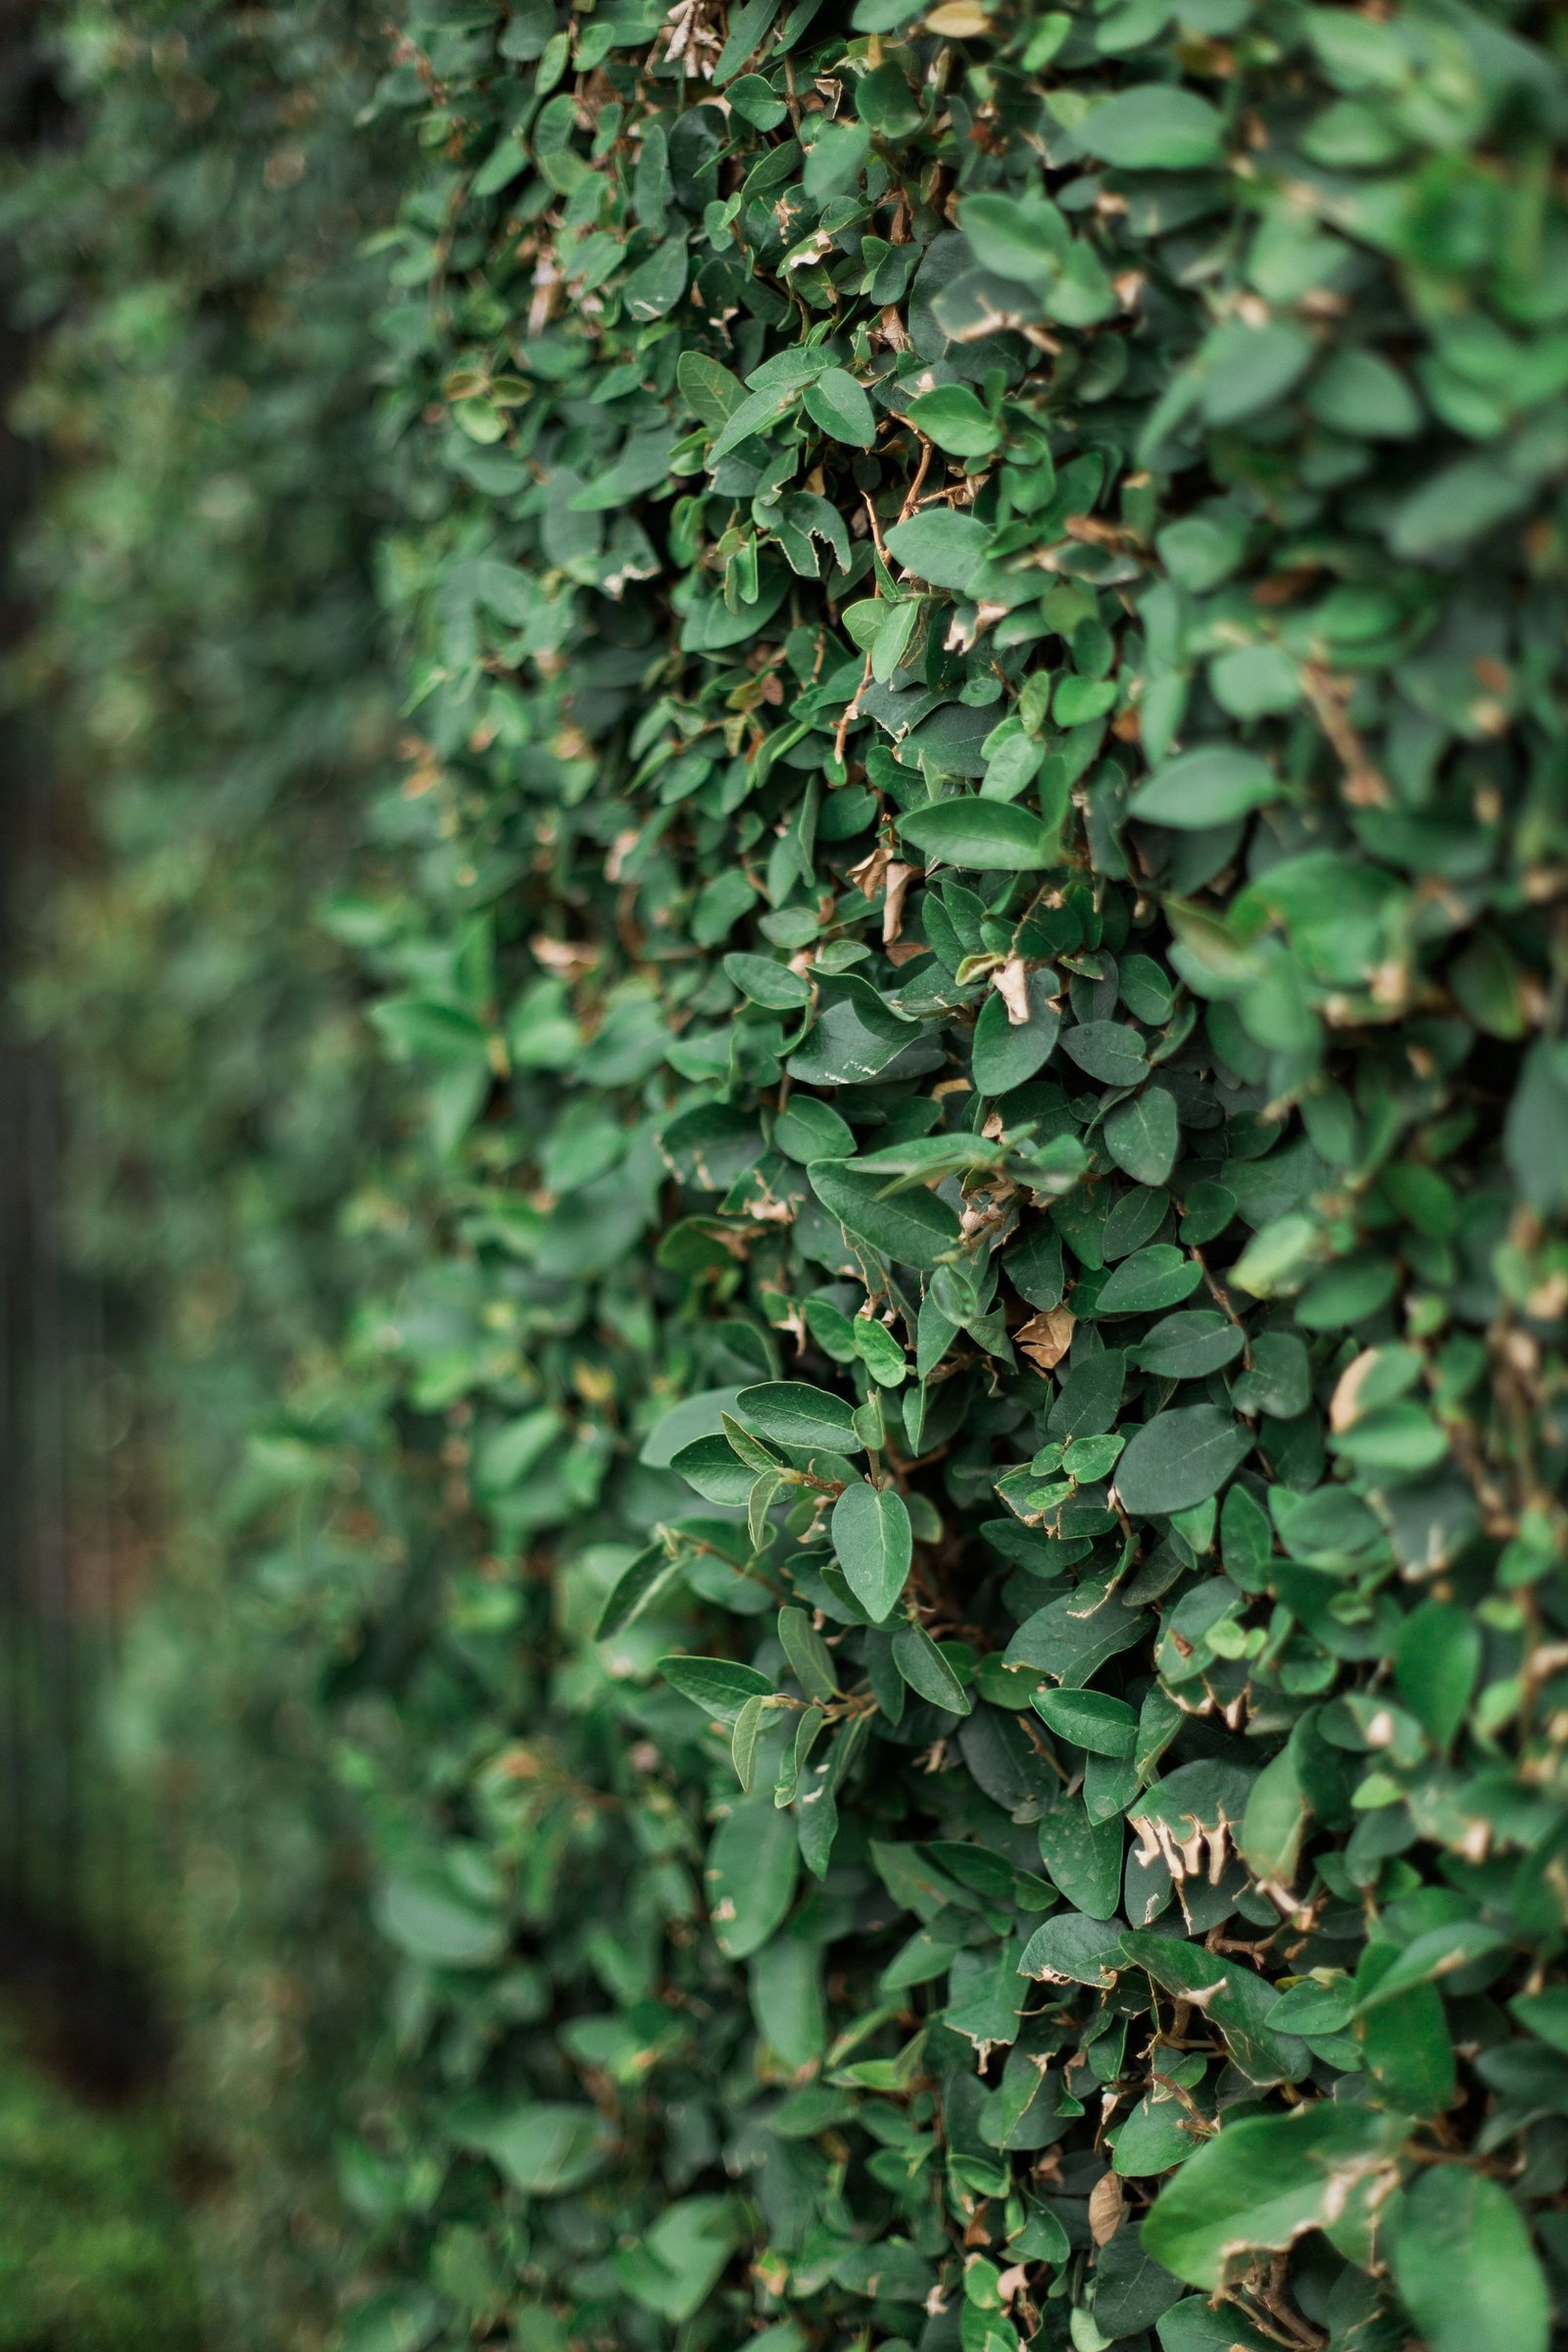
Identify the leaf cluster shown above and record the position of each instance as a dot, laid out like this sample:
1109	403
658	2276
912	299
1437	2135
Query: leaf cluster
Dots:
936	1557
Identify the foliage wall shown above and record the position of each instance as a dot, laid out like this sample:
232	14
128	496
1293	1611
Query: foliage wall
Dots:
910	1492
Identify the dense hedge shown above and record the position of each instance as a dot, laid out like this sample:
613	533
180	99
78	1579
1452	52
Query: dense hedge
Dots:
931	1556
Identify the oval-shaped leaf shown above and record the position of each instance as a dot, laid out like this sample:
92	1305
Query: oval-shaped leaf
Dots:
913	1228
839	405
543	2147
1208	786
718	1686
1089	1719
993	837
1464	2266
792	1412
1262	2183
753	1864
1158	127
874	1544
927	1672
1179	1460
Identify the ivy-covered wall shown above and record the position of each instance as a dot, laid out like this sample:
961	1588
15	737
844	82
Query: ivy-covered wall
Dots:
888	1435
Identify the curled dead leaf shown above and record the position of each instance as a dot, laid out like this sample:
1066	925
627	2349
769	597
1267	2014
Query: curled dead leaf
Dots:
1106	2209
1010	980
897	879
1342	1406
1046	1337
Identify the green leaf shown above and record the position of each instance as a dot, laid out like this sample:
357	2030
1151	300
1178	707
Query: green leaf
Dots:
1209	786
839	405
754	415
753	1864
1437	1663
874	1543
991	836
718	1686
853	1039
1084	1857
923	1667
1270	1835
913	1228
643	1582
744	1738
427	1914
1454	507
674	2267
954	418
1158	127
1073	1949
1252	680
1108	1051
1465	2268
1196	2326
1234	1997
1360	393
1150	1279
810	1659
1313	2009
1179	1460
1022	237
886	104
939	545
748	29
1427	1958
1262	2183
1535	1135
656	284
1408	2051
793	1413
1245	368
1007	1053
896	627
812	1130
543	2147
767	983
1143	1137
1089	1719
1190	1346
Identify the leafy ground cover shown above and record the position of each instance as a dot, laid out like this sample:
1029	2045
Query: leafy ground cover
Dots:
917	1539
